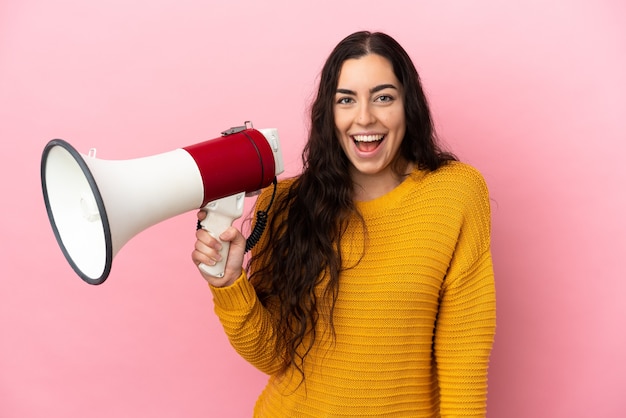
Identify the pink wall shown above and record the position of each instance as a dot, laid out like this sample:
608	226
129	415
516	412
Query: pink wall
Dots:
532	93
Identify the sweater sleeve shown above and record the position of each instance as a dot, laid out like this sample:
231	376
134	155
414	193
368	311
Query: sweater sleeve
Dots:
247	323
466	321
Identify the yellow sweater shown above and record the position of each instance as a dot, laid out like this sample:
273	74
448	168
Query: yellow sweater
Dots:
414	320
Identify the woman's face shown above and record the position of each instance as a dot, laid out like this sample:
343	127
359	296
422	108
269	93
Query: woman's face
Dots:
369	115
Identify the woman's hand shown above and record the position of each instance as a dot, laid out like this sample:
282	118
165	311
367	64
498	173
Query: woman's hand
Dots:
207	249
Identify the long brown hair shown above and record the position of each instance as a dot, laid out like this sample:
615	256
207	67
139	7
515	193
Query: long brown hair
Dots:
302	246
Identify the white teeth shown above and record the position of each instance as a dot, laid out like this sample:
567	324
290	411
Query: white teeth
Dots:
367	138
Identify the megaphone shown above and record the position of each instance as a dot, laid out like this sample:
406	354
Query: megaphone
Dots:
96	206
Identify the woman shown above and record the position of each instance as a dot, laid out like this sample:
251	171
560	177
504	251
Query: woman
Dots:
371	292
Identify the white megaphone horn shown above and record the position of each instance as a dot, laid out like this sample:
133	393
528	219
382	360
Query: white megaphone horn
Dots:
96	206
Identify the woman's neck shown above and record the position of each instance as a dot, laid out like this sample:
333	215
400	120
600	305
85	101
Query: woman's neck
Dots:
372	186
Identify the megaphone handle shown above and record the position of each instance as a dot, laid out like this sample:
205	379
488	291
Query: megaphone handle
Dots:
221	214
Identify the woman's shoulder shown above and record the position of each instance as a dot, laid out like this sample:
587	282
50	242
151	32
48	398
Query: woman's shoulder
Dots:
286	183
458	181
457	172
282	186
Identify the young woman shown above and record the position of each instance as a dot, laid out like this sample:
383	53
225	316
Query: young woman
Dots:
372	291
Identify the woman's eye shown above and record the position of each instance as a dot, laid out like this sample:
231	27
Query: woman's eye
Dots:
344	100
384	98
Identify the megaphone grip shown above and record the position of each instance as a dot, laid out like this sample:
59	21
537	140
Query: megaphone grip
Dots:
221	214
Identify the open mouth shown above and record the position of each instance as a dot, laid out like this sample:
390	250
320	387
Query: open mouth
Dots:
367	143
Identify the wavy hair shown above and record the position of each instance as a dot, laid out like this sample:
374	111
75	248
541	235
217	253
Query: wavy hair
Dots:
302	247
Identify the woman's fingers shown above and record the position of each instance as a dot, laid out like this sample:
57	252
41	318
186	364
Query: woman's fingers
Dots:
207	251
206	248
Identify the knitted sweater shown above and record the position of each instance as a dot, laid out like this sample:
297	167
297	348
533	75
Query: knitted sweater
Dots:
414	319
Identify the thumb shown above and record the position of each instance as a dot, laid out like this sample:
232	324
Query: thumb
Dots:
232	235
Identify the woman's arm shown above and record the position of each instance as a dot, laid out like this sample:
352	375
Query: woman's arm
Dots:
467	313
248	324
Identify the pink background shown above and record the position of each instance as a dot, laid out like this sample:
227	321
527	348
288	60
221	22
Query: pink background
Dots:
532	93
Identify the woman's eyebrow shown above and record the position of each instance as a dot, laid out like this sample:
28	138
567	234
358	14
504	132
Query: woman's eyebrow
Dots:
345	91
372	90
382	87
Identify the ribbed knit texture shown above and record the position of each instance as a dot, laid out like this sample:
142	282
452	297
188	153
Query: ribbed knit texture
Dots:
414	319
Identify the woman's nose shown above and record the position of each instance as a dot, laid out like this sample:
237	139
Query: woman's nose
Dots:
365	115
